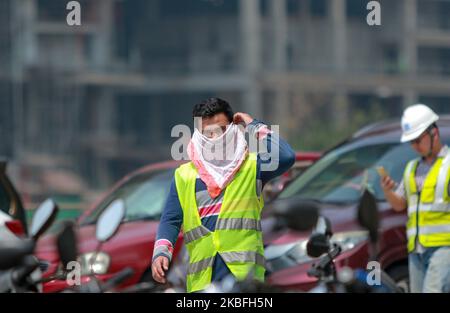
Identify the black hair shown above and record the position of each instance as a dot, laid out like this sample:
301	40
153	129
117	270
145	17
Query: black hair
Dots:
434	125
211	107
431	127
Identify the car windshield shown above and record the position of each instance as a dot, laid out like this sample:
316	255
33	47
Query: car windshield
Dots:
341	174
144	197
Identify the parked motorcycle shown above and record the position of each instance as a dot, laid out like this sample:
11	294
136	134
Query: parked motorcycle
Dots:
347	280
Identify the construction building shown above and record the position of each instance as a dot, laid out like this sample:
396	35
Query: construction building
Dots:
101	98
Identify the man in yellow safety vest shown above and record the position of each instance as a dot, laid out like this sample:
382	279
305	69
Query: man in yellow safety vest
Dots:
218	201
424	192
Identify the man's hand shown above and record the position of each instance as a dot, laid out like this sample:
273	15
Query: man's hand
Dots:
398	203
159	267
387	183
240	117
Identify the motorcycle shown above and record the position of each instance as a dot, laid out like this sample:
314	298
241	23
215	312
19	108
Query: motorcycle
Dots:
348	280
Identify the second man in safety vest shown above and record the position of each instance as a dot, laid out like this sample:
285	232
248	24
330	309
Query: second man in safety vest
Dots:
425	193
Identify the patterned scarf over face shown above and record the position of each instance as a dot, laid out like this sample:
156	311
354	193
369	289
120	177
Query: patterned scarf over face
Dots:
218	159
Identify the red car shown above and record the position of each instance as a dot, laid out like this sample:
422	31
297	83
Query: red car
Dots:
335	182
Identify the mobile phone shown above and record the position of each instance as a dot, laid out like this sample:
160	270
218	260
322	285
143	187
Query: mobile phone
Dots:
382	172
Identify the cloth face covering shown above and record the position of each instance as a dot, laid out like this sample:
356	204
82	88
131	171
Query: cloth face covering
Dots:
218	159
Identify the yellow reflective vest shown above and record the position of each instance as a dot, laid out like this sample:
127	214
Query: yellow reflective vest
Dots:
237	237
429	208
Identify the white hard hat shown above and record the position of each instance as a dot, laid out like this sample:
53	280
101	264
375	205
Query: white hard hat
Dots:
415	120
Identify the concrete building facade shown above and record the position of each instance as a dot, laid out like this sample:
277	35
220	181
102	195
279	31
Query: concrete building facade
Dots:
105	95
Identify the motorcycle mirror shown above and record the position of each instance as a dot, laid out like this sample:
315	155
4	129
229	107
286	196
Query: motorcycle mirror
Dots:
110	219
43	217
317	245
67	243
323	226
296	214
319	241
368	214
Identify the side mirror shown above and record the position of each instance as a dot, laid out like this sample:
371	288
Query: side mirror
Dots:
319	241
43	217
317	245
67	243
368	214
323	227
110	219
296	214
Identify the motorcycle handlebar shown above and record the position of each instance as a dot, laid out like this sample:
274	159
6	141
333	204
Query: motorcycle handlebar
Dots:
329	257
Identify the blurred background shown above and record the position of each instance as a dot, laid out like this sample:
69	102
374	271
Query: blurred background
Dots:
81	106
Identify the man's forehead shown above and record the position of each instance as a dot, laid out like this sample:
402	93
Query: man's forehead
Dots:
212	122
217	118
215	125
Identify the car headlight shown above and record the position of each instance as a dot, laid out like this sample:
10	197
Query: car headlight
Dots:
287	255
96	263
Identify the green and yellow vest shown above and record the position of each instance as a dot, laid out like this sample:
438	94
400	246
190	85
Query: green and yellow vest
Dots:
237	237
428	209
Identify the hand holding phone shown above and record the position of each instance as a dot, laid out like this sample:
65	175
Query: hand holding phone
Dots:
387	183
382	172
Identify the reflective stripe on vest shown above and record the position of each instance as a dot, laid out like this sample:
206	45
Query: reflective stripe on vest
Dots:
238	223
429	209
195	234
226	223
200	265
228	257
427	230
243	256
